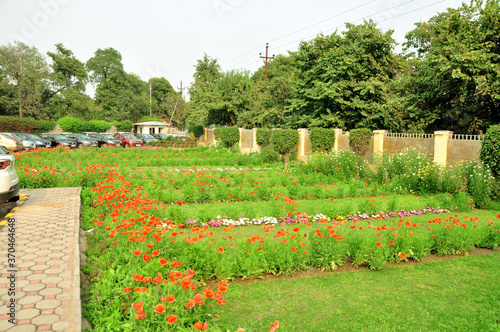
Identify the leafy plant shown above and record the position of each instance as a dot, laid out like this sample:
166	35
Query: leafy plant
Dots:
490	149
283	141
359	140
229	136
322	139
197	130
264	136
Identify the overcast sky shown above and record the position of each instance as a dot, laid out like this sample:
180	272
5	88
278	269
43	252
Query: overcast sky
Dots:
165	38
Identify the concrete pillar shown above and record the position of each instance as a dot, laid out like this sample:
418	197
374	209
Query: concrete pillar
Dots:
338	132
378	140
255	147
301	150
240	143
441	146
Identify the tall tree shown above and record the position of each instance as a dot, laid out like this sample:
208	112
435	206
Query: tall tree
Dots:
455	69
104	64
27	69
68	80
342	80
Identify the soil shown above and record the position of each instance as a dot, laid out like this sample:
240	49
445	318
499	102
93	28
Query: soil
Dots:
349	268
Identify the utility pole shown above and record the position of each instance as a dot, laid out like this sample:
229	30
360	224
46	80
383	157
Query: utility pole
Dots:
150	104
181	89
266	58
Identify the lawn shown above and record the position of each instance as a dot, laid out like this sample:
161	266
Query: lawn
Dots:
169	232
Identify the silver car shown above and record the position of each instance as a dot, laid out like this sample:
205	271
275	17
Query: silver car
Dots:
9	182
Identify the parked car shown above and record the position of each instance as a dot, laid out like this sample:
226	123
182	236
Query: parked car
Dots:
9	182
146	138
104	139
82	140
11	143
39	142
164	136
56	139
128	140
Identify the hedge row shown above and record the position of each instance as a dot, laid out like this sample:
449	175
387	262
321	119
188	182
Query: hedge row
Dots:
11	124
75	125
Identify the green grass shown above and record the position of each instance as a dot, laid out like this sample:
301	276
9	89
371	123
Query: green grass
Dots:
455	295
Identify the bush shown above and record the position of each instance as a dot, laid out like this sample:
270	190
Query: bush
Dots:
97	126
283	141
359	141
217	132
125	125
229	136
197	130
72	125
490	149
322	139
27	125
264	136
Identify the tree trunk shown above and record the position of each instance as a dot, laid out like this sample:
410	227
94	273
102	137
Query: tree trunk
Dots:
19	99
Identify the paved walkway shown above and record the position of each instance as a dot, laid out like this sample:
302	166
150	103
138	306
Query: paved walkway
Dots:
47	264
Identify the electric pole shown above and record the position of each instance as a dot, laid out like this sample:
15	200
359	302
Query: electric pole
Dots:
266	58
181	89
150	104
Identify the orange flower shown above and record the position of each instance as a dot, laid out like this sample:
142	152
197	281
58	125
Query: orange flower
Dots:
294	249
170	298
498	215
378	244
160	308
171	319
391	243
252	193
289	213
198	298
305	252
163	261
146	258
230	195
155	253
275	326
189	304
140	315
296	229
201	326
126	290
448	226
403	256
220	250
137	253
259	248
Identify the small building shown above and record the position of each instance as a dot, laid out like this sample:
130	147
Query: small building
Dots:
150	127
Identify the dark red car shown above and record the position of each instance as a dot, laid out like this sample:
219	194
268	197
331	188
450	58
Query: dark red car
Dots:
128	140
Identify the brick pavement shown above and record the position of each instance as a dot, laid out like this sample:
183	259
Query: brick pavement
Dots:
47	283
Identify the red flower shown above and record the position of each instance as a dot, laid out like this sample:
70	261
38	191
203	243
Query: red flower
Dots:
201	326
294	249
160	308
146	258
230	195
189	304
140	315
296	229
378	244
126	290
170	298
403	256
275	326
305	252
391	243
259	248
220	250
163	261
498	215
171	319
155	253
252	193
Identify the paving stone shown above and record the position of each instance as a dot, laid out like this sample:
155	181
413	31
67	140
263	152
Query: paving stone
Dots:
50	291
39	276
48	304
27	313
22	328
45	319
52	280
60	326
33	287
5	325
30	299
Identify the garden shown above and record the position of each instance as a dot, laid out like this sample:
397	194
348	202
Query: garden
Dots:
209	239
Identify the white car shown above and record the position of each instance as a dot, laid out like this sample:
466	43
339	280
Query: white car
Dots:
9	182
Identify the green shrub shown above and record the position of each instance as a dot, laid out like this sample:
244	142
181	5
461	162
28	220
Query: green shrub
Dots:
322	139
98	126
72	125
229	136
359	140
28	125
125	125
264	136
490	149
283	141
217	132
197	130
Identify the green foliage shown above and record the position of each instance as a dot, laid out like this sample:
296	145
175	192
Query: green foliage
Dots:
97	126
322	139
451	79
490	149
264	136
197	130
283	142
217	133
359	140
28	125
72	125
229	136
125	125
